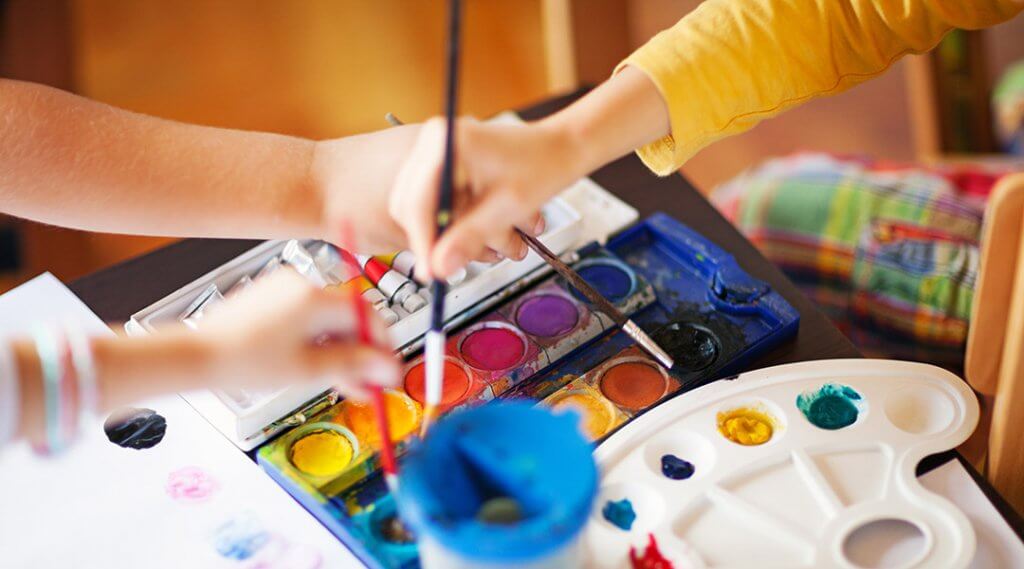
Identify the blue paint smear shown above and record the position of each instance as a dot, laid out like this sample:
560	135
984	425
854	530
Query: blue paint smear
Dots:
831	407
620	514
240	539
676	468
612	282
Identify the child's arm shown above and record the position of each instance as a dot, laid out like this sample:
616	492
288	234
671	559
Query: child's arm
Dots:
263	338
719	71
69	161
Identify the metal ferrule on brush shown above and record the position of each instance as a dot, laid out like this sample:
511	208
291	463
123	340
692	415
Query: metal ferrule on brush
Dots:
647	344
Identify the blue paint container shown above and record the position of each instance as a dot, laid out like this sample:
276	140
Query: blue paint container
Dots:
458	486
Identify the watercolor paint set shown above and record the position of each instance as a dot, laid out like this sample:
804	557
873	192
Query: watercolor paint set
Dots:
546	342
582	213
785	467
483	361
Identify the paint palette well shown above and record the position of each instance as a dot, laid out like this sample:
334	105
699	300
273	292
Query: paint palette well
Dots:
786	464
610	395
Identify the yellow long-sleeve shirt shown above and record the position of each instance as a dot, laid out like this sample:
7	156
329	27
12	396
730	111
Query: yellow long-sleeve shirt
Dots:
733	63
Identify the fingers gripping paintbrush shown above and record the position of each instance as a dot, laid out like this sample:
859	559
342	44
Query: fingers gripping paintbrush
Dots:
602	304
435	338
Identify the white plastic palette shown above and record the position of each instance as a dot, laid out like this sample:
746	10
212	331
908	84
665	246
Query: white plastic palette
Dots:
795	500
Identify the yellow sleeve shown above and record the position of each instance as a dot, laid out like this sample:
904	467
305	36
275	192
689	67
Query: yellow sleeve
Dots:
732	63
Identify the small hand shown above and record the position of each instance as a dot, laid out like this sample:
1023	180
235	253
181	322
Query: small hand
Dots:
282	329
354	177
504	175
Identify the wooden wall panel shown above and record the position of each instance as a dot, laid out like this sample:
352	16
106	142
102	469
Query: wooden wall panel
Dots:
315	68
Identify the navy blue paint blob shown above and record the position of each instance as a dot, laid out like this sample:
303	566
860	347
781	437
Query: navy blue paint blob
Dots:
676	468
831	407
611	281
135	428
620	514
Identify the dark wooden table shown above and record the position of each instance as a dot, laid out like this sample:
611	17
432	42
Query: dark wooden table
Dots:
119	291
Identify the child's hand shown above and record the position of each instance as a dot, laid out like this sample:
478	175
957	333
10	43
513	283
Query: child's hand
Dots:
353	177
505	173
283	330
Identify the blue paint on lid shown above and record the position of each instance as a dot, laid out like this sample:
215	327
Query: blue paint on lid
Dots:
619	513
501	450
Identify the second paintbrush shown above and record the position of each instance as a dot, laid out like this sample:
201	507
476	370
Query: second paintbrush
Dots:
600	302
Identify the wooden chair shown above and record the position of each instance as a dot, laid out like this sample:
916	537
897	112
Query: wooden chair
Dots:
995	343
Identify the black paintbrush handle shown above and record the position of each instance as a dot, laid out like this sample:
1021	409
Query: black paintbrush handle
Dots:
447	189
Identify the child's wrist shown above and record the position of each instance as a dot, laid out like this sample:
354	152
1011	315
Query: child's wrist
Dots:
570	139
312	195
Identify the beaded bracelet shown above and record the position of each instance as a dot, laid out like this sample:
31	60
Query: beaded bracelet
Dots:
85	372
48	349
10	394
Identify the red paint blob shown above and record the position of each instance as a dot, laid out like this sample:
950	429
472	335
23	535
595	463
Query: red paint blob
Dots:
456	384
493	349
651	558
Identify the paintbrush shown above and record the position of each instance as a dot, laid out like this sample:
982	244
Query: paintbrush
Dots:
435	337
602	304
360	308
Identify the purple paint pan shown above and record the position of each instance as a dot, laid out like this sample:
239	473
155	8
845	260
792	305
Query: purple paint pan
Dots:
547	315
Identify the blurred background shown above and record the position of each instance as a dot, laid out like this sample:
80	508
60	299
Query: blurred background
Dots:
329	68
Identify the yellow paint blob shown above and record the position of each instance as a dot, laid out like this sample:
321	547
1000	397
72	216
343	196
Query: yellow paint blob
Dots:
404	417
321	453
596	417
746	426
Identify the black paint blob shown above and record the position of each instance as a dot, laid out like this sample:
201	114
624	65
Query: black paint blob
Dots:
676	468
693	347
135	428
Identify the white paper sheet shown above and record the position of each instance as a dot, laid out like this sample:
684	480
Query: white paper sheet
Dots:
998	545
193	500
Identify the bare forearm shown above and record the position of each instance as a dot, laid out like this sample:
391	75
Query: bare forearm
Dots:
69	161
620	115
128	369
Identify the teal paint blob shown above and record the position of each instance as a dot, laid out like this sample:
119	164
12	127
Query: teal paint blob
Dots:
619	513
831	407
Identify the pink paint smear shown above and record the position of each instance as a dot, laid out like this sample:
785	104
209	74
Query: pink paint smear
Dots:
191	484
279	553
